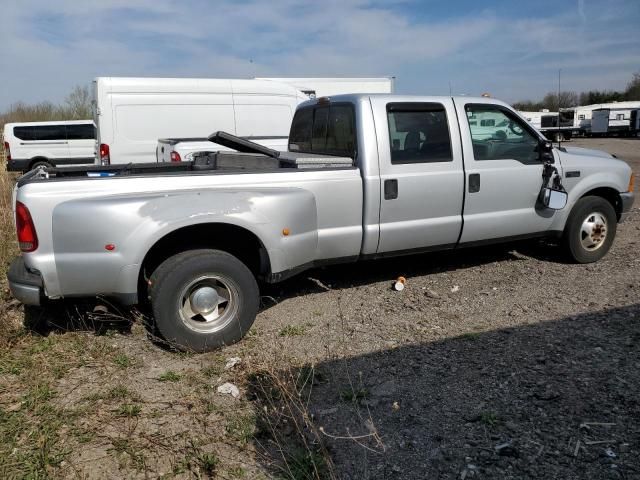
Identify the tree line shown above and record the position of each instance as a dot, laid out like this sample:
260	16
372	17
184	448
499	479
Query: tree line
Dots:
552	101
76	106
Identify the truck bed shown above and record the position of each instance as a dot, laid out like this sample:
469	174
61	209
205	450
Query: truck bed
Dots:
210	163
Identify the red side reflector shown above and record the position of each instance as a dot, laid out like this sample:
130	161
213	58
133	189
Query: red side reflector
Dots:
27	237
7	151
175	157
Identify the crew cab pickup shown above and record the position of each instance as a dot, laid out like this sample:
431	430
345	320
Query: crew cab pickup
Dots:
366	176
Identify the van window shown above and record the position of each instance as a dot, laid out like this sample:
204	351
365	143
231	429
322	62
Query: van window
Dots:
324	129
40	132
418	133
81	132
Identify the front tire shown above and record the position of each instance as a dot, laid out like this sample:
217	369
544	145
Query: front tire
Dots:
203	300
590	229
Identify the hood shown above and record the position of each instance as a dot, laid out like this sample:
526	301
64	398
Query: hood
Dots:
584	152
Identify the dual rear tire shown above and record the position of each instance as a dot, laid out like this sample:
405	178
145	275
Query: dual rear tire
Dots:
203	300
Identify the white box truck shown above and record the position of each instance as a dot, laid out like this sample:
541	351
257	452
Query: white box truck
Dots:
132	114
183	149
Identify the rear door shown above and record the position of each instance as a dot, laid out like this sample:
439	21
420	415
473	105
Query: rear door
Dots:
421	171
81	142
504	174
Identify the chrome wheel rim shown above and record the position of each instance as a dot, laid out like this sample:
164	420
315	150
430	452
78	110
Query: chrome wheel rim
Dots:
593	231
208	303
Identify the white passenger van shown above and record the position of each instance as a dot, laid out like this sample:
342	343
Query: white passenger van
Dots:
31	144
133	113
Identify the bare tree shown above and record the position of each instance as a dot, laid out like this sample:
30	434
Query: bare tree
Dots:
79	103
566	99
633	88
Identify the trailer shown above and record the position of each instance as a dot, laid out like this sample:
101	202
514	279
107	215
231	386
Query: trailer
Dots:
556	126
614	121
620	121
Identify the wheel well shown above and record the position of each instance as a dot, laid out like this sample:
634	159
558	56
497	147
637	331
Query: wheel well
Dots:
609	194
35	160
232	239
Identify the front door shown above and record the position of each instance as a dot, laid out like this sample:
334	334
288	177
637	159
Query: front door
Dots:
504	174
421	174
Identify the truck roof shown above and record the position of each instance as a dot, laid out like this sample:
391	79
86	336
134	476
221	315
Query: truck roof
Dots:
355	97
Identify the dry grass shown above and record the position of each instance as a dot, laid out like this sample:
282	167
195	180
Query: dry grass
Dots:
71	395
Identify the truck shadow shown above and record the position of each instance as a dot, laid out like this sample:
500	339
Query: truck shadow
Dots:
554	399
98	316
371	271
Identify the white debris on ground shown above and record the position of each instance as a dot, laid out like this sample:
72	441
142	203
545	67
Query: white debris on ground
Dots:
232	362
229	389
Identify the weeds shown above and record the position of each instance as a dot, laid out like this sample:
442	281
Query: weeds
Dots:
129	410
241	427
292	330
170	376
122	360
354	395
489	418
118	392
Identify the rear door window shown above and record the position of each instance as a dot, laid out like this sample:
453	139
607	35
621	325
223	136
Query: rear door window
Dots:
418	133
81	132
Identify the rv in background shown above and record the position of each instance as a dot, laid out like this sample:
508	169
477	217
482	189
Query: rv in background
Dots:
620	114
614	121
556	126
133	113
29	145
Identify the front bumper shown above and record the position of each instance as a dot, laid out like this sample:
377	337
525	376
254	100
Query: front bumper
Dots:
627	199
25	286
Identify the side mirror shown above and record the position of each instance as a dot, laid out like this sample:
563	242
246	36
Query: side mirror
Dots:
545	147
554	199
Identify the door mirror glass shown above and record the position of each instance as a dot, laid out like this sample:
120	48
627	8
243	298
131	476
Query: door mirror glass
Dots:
554	199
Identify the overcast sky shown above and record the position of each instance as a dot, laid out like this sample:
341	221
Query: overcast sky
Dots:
512	49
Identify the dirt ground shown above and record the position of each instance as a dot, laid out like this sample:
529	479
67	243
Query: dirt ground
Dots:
502	362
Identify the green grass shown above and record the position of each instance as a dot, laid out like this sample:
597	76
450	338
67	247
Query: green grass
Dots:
292	331
489	418
129	410
170	376
118	392
241	427
122	360
354	395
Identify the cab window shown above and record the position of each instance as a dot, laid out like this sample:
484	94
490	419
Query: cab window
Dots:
500	135
418	133
324	129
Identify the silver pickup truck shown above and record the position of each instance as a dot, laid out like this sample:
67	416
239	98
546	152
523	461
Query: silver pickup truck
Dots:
366	176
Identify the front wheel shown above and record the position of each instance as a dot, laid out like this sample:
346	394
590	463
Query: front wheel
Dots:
590	230
203	299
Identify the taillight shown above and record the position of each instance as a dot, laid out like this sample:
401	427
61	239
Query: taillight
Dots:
632	180
27	238
175	157
7	151
105	159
